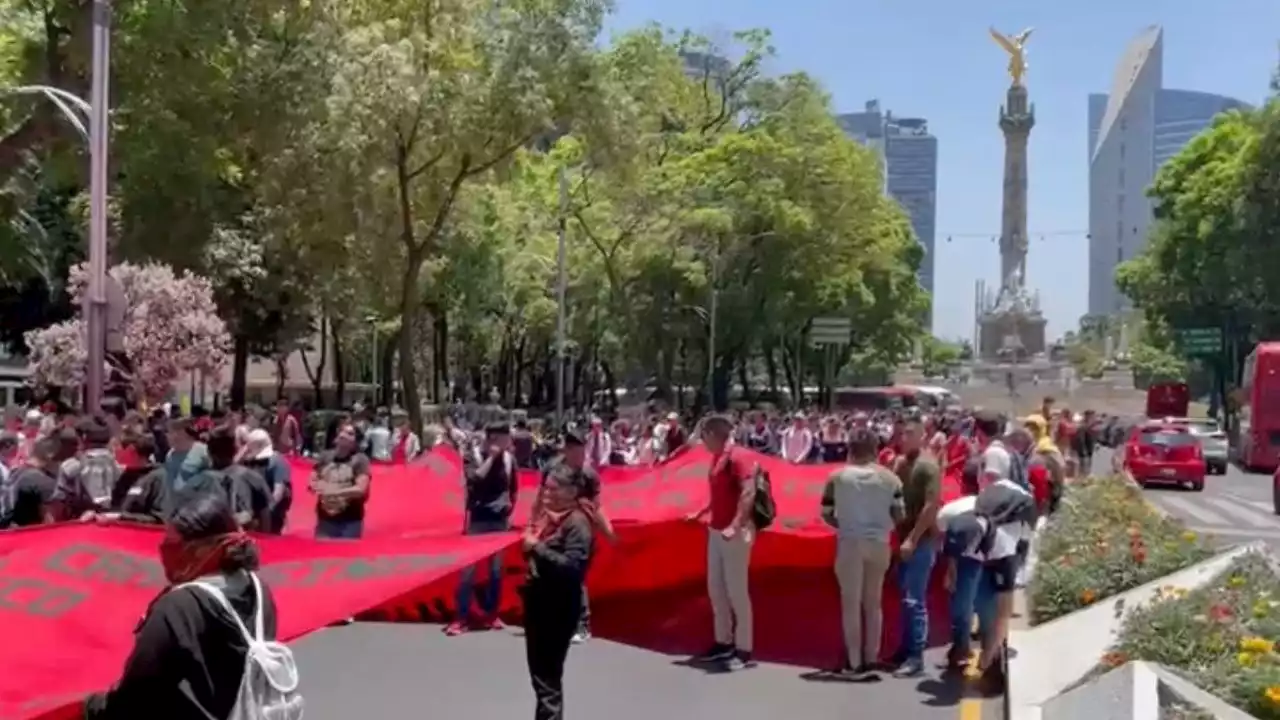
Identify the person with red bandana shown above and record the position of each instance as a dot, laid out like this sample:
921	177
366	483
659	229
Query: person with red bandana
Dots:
192	649
405	444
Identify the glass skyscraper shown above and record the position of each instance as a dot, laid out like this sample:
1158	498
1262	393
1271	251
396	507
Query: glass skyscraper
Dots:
1134	130
909	158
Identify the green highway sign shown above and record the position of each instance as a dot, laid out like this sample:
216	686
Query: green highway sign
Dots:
1200	342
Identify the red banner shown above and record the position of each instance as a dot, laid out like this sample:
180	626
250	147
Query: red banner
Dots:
78	590
70	596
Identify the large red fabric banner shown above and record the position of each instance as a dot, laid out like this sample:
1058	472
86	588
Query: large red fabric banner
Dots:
70	596
78	590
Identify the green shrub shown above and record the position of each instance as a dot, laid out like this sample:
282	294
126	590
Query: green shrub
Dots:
1222	637
1104	540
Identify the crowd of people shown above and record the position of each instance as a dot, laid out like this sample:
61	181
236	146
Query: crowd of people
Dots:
210	478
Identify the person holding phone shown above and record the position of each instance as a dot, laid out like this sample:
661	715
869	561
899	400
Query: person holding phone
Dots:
491	492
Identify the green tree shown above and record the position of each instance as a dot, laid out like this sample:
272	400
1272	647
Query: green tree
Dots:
938	356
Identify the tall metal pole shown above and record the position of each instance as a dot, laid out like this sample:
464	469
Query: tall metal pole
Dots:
711	341
374	362
562	284
95	309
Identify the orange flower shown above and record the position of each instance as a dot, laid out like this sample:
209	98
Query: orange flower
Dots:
1088	596
1219	612
1115	658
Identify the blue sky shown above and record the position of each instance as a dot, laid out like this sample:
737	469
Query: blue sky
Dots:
934	59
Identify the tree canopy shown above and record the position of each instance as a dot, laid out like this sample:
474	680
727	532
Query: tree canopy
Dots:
392	173
1212	256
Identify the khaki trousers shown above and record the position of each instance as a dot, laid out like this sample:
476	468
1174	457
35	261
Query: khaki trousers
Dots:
728	571
860	569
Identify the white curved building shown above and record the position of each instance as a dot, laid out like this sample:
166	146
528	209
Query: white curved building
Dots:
1133	130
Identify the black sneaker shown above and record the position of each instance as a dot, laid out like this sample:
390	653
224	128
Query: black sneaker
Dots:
739	660
957	660
912	668
865	671
716	652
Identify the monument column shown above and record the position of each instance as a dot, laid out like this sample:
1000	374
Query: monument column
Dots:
1013	327
1017	118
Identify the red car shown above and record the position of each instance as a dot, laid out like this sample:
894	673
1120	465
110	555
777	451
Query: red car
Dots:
1165	454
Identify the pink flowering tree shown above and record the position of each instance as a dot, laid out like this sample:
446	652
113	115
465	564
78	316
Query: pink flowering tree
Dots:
171	329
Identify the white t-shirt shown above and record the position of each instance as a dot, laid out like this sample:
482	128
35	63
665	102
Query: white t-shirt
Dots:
996	463
959	506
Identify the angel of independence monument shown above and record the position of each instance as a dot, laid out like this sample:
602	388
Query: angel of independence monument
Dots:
1011	326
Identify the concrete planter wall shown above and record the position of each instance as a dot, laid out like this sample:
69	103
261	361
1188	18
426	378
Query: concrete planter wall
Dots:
1052	657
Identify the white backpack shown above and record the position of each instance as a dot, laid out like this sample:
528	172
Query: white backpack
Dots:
269	686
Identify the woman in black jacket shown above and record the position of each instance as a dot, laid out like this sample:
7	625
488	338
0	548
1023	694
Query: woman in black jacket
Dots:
557	550
189	654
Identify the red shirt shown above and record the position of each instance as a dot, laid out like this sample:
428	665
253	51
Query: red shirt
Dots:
887	456
1038	479
399	451
727	475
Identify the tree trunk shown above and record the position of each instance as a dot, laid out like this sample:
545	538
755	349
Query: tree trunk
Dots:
316	376
503	371
239	372
440	360
793	381
771	367
282	374
339	367
744	379
610	385
386	370
721	375
518	387
409	308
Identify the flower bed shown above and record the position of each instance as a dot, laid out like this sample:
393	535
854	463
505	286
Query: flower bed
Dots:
1104	540
1222	637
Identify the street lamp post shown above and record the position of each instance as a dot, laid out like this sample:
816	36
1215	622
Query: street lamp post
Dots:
562	282
95	309
373	357
96	134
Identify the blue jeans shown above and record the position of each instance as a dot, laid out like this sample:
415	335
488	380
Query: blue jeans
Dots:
913	581
972	594
466	583
331	529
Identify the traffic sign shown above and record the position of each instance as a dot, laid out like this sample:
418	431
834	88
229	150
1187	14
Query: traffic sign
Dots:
830	331
1200	342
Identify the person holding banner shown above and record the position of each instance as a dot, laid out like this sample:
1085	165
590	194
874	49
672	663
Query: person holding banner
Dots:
558	548
492	486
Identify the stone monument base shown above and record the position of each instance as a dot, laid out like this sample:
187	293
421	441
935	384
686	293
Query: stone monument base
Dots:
1010	332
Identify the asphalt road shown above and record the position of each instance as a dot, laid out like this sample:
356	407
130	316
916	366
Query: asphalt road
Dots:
375	671
1235	508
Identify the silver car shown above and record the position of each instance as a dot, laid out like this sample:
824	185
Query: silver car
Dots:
1213	442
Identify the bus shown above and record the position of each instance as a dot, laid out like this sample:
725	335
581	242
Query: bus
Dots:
1260	409
870	399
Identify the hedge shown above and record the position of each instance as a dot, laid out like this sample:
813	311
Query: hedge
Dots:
1222	637
1105	539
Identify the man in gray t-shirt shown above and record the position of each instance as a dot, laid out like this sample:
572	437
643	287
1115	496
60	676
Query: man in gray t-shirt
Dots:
863	501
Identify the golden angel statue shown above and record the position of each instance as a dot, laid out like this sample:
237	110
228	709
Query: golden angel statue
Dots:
1016	46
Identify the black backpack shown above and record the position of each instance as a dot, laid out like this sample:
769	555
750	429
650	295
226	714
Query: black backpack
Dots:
764	510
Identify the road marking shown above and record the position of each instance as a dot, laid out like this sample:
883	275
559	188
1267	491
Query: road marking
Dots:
1264	506
1184	507
1240	512
971	708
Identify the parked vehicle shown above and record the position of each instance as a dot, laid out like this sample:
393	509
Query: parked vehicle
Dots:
1165	454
